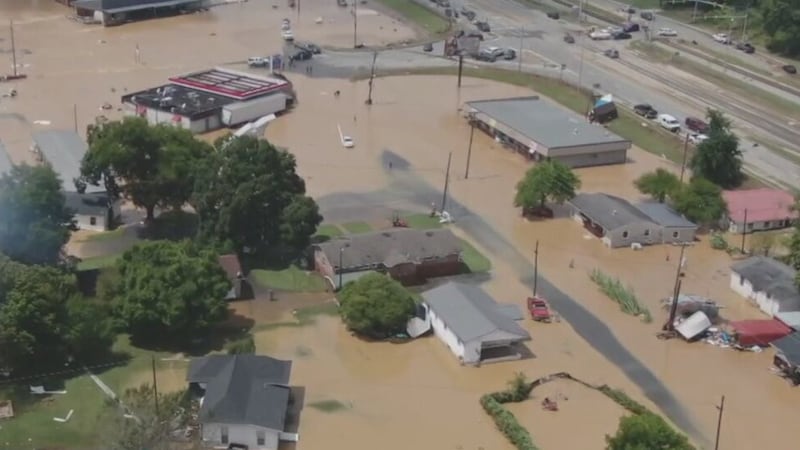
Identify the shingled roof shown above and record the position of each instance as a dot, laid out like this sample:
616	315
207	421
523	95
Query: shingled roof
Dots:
772	277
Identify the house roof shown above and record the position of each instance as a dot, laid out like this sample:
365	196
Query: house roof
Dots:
93	204
772	277
231	265
608	211
759	332
790	347
64	150
118	6
665	216
5	161
544	122
472	314
762	204
791	319
243	389
390	247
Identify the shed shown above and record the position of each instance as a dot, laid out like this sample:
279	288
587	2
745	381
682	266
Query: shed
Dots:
613	219
674	228
240	287
769	282
759	332
693	326
93	211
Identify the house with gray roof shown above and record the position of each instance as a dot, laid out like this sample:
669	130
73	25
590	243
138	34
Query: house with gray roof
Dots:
619	223
408	255
540	129
472	325
244	399
767	282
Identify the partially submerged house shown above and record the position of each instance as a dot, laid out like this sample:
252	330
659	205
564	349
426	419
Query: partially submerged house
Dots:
472	325
619	223
768	282
758	209
245	400
409	256
240	286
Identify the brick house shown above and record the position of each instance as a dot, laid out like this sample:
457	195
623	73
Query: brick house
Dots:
409	256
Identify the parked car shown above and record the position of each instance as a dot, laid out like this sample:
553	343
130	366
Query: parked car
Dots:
483	26
487	56
497	52
427	47
669	122
475	34
696	125
622	35
722	38
614	29
301	55
745	47
788	68
554	15
612	53
347	142
258	61
569	39
646	111
469	14
313	48
696	138
509	54
647	15
630	27
599	35
287	35
667	32
341	2
286	24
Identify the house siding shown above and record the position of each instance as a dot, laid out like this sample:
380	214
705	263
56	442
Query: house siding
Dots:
240	434
738	227
742	286
685	234
467	353
636	233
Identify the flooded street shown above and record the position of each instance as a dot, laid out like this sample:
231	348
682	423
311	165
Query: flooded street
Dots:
416	395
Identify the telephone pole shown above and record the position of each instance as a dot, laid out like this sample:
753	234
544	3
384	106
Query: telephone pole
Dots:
13	49
679	271
155	384
469	149
355	23
685	152
460	66
75	116
519	57
371	78
341	252
744	230
721	408
446	182
535	268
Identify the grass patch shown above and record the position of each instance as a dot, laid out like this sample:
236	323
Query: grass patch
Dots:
303	316
624	296
291	279
328	406
473	259
328	230
98	262
422	221
594	11
421	16
104	235
357	227
777	149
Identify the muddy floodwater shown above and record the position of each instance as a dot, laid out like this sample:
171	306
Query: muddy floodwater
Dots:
416	395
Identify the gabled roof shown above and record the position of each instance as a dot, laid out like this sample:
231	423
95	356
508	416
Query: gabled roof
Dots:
64	151
243	389
608	211
663	215
472	314
390	247
772	277
790	347
763	204
791	319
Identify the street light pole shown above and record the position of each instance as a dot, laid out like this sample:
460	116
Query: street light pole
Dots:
355	23
446	182
519	57
469	149
721	408
685	151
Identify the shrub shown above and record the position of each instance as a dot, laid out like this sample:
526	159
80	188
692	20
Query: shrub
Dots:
507	423
613	289
243	346
622	399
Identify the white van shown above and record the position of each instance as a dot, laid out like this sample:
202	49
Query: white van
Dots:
669	123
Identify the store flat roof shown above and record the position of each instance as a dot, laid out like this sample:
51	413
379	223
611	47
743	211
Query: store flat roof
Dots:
543	122
229	83
176	99
121	6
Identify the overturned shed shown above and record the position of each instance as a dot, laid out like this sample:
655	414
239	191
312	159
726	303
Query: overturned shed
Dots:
759	332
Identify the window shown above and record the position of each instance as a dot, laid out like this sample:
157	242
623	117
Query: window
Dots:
93	220
260	438
749	226
624	235
675	235
647	232
766	224
224	434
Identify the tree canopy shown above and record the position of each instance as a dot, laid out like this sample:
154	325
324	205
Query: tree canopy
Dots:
646	432
718	158
376	306
547	181
35	223
780	21
659	184
700	201
169	290
152	166
250	194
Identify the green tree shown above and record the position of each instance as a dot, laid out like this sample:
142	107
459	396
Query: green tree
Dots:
250	194
659	184
376	306
718	158
144	428
646	432
780	21
34	223
700	201
169	290
547	181
152	166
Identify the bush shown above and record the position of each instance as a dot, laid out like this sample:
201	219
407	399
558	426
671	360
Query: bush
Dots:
622	399
718	241
376	306
243	346
613	289
507	423
646	431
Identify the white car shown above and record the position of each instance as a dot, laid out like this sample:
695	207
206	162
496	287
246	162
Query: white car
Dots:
600	35
669	122
667	32
347	142
696	138
258	61
287	35
613	30
722	38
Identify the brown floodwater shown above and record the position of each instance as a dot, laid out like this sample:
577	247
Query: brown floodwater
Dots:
415	395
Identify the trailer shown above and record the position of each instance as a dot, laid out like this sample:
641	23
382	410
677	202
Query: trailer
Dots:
246	111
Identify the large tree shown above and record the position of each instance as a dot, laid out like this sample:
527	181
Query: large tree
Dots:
34	221
659	184
547	181
376	306
152	166
251	195
780	21
718	158
169	290
700	201
646	432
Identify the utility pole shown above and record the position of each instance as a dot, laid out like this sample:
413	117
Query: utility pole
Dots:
460	66
721	408
535	267
446	182
685	151
744	229
355	23
13	49
469	149
371	78
155	384
519	57
582	44
341	252
744	27
680	269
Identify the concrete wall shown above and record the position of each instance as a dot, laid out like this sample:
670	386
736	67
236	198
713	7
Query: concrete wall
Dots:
594	158
743	287
738	227
240	434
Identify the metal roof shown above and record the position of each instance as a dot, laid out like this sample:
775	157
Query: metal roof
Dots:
64	151
791	319
5	161
544	122
665	216
608	211
120	6
472	314
790	347
772	277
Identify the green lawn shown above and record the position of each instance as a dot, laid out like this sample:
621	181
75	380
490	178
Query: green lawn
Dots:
421	16
105	235
291	279
357	227
422	221
98	262
328	231
474	260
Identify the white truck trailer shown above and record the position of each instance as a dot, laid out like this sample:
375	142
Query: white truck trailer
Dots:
247	111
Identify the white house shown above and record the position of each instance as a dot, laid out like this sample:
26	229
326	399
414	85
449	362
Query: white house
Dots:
472	325
93	211
768	282
245	400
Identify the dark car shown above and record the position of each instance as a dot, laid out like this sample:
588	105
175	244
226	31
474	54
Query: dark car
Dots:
486	56
696	125
427	47
569	39
646	111
622	35
475	34
302	55
483	26
630	27
554	15
790	69
470	15
646	15
745	47
509	54
611	53
313	48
